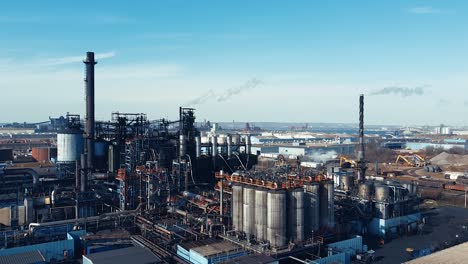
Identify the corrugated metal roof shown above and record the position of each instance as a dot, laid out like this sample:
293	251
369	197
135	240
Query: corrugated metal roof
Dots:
134	255
32	257
453	255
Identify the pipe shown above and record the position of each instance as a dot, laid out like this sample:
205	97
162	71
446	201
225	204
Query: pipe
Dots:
248	145
197	197
21	171
89	126
229	146
197	146
84	174
214	146
77	175
182	146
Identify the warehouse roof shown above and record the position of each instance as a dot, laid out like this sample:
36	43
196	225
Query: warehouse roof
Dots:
31	257
216	248
134	255
452	255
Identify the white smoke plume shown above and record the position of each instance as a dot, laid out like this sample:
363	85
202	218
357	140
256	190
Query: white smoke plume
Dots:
201	99
401	91
250	84
323	156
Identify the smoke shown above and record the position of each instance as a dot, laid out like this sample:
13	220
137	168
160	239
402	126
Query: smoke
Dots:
323	157
250	84
225	95
201	99
401	91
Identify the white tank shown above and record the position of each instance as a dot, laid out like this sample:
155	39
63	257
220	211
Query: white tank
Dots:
69	146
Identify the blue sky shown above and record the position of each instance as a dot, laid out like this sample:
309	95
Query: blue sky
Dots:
311	59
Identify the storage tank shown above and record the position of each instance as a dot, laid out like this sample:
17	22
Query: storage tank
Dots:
276	218
101	150
249	211
182	146
6	155
261	214
40	154
70	145
236	139
382	193
365	191
327	205
296	215
229	145
198	146
214	146
347	182
312	212
237	207
382	210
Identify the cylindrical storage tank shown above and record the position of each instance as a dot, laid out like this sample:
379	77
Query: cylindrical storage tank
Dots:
101	150
182	146
6	155
229	145
69	146
382	193
40	154
237	207
312	212
214	146
365	191
261	214
327	205
296	215
198	146
249	211
222	140
276	218
347	182
248	144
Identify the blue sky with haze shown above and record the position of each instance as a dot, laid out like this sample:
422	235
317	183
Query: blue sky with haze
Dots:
299	61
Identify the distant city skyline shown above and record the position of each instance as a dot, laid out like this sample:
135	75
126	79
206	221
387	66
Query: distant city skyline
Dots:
303	61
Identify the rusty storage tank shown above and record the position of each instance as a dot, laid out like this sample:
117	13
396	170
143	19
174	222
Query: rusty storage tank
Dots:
40	154
276	218
261	214
347	182
249	211
70	144
237	207
296	215
312	209
6	155
382	193
365	191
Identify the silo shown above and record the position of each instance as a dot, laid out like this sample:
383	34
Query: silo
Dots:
249	211
296	215
347	182
182	146
70	145
248	144
214	146
229	146
365	190
236	139
100	154
382	193
261	214
237	207
312	212
276	218
327	205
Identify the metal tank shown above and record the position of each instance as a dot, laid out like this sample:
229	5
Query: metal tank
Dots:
365	191
198	146
249	211
382	210
40	154
327	205
276	218
261	214
214	146
237	207
248	144
69	146
296	215
347	182
312	209
235	139
382	193
101	150
229	145
182	146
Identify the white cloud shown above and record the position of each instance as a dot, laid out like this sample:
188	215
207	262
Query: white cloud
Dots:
423	10
74	59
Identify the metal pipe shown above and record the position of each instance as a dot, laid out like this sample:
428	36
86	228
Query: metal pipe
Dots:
77	175
214	146
89	127
198	146
229	146
84	174
182	146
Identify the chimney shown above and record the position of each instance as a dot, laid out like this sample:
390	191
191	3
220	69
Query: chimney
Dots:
361	154
89	126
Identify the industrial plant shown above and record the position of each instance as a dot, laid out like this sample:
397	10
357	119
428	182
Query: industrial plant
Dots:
130	189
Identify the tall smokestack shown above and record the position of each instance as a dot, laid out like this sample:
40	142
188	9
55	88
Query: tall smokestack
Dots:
361	154
89	127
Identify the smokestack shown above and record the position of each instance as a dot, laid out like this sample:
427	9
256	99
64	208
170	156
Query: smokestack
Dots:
361	154
89	126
